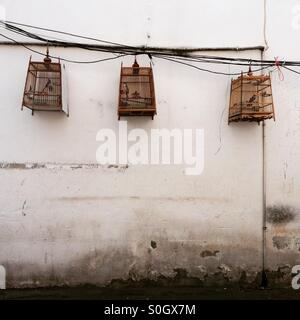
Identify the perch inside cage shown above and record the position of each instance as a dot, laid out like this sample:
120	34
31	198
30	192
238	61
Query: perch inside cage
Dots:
136	93
43	88
251	98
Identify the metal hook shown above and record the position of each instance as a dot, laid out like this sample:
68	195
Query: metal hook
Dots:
47	58
250	73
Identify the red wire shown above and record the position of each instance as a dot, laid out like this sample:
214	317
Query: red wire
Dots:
277	64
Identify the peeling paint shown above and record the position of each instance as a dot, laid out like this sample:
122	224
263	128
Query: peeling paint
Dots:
281	275
153	244
224	268
58	166
161	198
297	243
282	242
208	253
23	209
89	271
21	166
280	214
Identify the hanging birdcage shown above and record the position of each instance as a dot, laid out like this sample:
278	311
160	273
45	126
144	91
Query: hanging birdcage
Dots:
251	98
43	88
136	93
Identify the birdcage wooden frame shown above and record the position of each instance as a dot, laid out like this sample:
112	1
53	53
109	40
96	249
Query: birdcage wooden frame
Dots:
251	98
43	87
136	92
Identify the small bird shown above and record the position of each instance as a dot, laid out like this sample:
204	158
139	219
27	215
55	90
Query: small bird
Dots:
48	86
252	99
30	96
126	89
265	94
136	95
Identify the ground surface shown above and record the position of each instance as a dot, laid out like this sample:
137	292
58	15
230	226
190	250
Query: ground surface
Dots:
193	293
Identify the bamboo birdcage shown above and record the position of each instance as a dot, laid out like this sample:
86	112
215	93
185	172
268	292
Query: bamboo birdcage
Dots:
251	98
136	92
43	87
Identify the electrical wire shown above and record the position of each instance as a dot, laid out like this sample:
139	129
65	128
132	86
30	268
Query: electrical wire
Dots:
64	33
131	49
191	59
123	55
59	58
58	43
265	25
121	50
135	50
207	70
55	42
292	70
9	25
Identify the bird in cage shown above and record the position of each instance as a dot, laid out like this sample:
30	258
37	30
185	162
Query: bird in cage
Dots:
251	106
265	94
252	99
136	95
48	86
43	87
126	90
30	96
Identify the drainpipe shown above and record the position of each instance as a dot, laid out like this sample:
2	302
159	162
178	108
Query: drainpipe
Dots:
141	49
264	278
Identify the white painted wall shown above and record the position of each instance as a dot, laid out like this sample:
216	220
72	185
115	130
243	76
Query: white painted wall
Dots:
283	137
169	22
64	224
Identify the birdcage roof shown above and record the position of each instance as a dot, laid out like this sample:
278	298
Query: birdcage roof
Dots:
246	77
144	71
42	66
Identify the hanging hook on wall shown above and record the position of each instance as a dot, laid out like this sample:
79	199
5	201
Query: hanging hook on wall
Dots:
278	65
135	66
250	73
47	58
151	59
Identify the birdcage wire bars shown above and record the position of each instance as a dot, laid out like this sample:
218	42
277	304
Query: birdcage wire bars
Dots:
136	92
251	98
43	87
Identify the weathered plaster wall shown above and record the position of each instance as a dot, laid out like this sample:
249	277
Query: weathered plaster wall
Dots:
283	141
66	220
151	22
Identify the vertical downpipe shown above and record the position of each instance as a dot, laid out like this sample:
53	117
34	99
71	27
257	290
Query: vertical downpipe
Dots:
264	278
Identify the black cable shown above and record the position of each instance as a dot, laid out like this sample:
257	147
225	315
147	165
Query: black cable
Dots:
206	70
113	58
292	70
191	59
131	49
62	59
124	50
55	42
252	61
66	33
